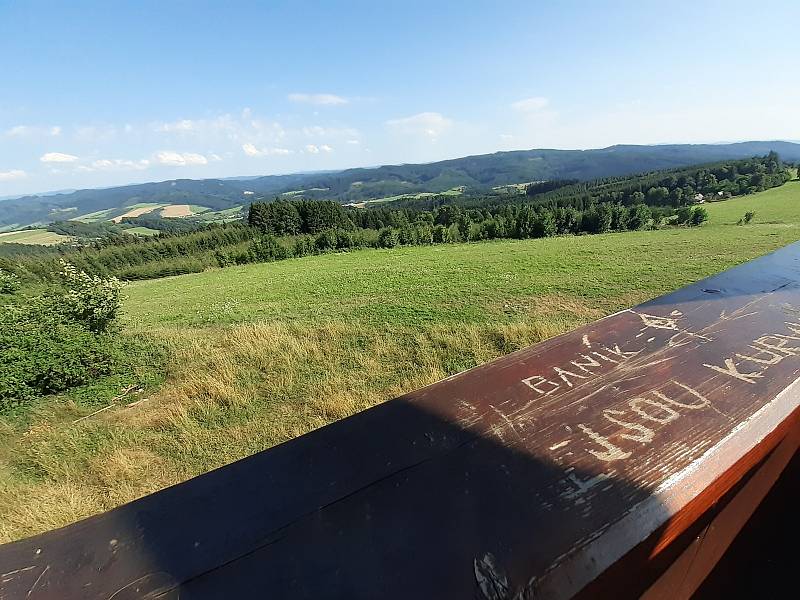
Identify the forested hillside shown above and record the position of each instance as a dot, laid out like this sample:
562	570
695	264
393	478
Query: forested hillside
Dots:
477	174
281	229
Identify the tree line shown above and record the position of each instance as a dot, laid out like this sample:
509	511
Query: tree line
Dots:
293	228
131	257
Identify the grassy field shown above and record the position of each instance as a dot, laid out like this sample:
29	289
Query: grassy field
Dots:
40	237
456	191
94	217
262	353
144	231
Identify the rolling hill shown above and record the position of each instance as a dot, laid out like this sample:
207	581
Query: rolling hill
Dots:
474	173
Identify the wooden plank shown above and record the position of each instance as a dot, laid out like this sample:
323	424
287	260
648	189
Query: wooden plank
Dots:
684	576
539	473
762	561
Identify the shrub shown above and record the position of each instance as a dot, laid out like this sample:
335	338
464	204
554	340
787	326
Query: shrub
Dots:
266	249
43	351
325	240
58	340
9	282
303	246
684	214
91	300
699	216
388	238
639	217
345	240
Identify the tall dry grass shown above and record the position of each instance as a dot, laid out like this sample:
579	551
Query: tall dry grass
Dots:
231	392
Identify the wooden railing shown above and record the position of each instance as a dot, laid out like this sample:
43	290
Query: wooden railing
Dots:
602	462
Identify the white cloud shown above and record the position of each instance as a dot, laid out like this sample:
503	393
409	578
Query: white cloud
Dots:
12	175
318	99
55	130
353	142
316	131
180	159
314	149
252	150
58	157
118	164
429	124
506	136
533	104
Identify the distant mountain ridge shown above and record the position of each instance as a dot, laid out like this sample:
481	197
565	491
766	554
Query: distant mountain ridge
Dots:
475	173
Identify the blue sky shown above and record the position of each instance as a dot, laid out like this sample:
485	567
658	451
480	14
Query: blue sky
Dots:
105	93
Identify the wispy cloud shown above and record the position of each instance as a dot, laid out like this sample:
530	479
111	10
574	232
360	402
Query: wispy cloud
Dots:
429	124
318	99
58	157
251	150
180	159
181	126
12	175
533	104
22	131
119	164
315	149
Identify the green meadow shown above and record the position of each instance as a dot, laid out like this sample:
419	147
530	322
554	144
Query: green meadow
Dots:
471	283
247	357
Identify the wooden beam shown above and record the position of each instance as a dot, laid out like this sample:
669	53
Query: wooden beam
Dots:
556	471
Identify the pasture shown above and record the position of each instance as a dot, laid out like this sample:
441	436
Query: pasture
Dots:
261	353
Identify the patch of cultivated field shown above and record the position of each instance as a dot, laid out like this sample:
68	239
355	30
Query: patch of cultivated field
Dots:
40	237
137	210
182	210
176	210
263	353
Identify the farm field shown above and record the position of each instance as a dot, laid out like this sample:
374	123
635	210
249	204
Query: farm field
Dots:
136	210
40	237
262	353
182	210
94	217
456	191
144	231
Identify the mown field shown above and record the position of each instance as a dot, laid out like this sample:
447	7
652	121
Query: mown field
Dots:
261	353
33	236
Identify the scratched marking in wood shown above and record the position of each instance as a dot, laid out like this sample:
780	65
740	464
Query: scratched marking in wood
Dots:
556	461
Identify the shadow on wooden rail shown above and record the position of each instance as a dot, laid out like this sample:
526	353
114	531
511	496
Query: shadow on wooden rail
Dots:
614	461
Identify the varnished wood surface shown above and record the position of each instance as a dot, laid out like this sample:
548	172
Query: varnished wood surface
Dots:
533	474
762	561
